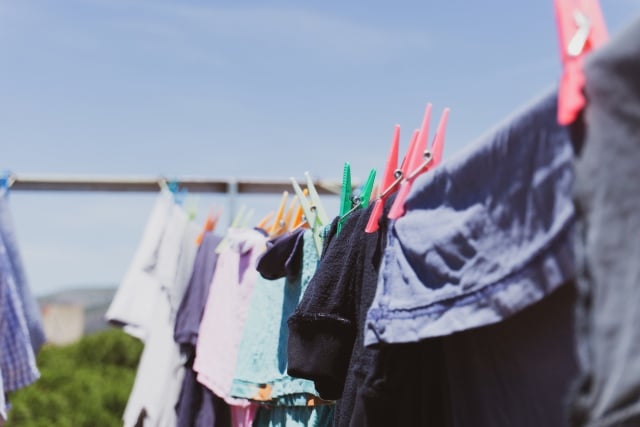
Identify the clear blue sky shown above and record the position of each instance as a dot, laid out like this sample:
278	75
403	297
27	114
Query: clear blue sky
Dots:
222	89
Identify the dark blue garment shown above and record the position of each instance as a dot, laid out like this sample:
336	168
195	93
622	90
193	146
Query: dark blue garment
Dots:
197	405
30	305
485	234
283	257
608	250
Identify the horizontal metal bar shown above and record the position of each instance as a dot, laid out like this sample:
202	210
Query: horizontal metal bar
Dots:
146	184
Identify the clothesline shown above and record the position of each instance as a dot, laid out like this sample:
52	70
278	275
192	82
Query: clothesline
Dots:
123	183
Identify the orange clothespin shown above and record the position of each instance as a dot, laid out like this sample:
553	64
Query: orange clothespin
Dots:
420	161
298	217
209	225
278	221
264	222
294	207
581	29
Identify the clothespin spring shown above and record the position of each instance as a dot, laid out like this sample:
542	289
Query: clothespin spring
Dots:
428	158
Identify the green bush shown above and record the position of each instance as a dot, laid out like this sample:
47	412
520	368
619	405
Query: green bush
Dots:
83	384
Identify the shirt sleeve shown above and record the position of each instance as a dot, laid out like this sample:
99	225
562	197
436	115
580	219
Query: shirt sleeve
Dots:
322	330
283	256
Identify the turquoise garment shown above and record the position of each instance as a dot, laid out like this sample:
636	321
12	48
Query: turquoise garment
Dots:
279	416
261	370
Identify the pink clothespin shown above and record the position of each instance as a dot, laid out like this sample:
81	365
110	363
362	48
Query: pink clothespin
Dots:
397	174
581	28
387	184
421	160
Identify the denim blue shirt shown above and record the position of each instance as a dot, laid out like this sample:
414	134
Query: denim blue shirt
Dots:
485	234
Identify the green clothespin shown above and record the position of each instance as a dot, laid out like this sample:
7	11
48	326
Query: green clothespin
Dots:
345	195
367	188
349	202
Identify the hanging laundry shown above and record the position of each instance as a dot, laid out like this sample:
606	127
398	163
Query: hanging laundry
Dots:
607	250
30	305
138	284
481	265
21	332
224	318
17	359
159	272
261	371
326	341
197	405
3	403
475	247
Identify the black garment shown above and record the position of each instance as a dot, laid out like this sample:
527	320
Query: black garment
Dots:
197	405
608	201
326	332
283	256
407	385
517	372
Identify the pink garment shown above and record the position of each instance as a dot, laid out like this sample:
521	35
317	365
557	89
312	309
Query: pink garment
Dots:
243	416
224	317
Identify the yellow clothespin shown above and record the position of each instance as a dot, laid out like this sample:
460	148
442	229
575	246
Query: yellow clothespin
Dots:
310	214
315	200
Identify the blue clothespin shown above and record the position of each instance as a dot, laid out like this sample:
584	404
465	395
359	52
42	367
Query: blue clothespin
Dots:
180	196
178	193
172	185
5	182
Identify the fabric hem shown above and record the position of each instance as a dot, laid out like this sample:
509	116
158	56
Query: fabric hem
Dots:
386	325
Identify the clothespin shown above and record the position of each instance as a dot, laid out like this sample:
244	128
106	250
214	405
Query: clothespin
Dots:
345	194
391	179
247	218
581	29
264	222
298	216
315	200
209	224
310	213
6	181
191	205
289	217
421	160
279	222
237	221
353	202
173	186
367	189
